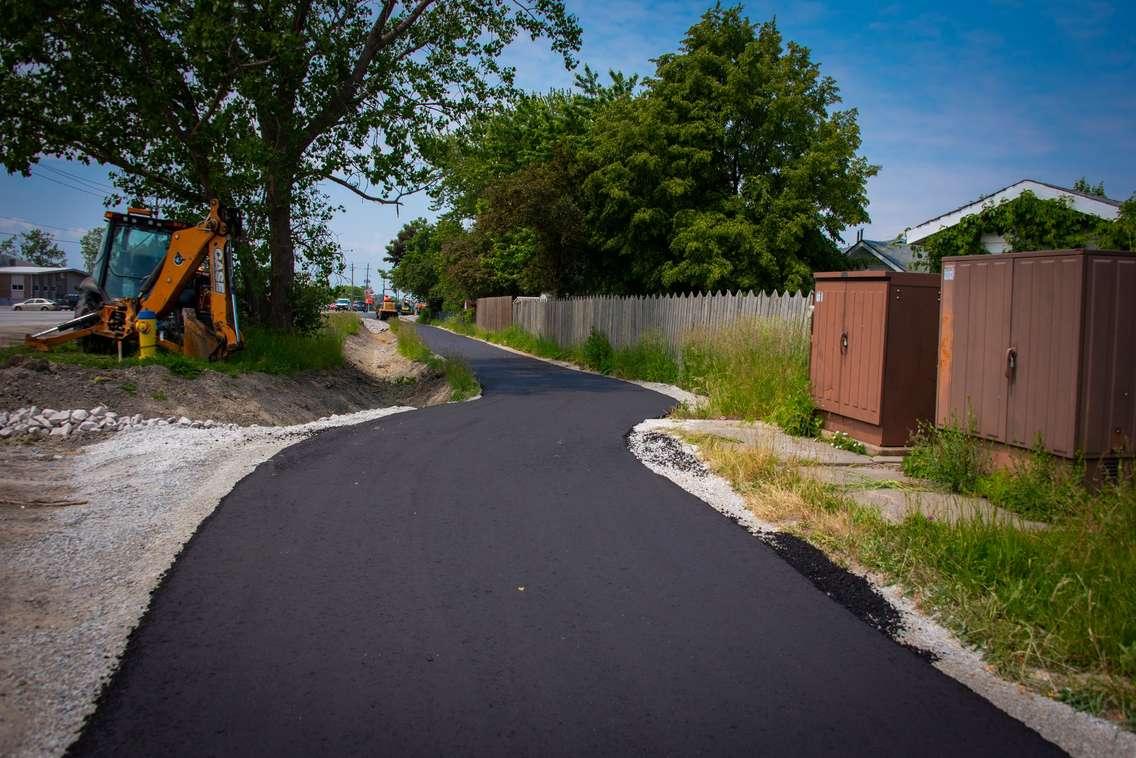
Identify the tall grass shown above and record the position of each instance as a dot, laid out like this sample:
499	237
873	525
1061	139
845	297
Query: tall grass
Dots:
1036	486
265	351
755	370
1060	600
463	383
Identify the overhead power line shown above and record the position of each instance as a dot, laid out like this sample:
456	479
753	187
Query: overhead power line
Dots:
82	181
70	186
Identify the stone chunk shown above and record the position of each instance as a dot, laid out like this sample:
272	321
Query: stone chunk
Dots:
88	426
80	415
58	416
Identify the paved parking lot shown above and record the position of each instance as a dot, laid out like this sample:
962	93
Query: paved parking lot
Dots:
15	324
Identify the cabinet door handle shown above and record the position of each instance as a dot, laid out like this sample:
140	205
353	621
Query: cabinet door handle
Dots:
1011	363
844	342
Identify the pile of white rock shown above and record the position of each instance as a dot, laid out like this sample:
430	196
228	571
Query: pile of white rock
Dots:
49	422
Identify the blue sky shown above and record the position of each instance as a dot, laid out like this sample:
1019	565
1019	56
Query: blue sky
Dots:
955	101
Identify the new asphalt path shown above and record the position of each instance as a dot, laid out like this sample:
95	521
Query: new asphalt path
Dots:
501	577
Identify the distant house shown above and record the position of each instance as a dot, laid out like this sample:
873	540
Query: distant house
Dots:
880	255
18	283
898	255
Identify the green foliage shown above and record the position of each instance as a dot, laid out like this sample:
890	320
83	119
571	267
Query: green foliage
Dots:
38	248
256	106
1059	599
755	370
90	245
1029	223
463	383
730	168
949	456
1036	486
649	360
265	351
1082	185
842	441
597	353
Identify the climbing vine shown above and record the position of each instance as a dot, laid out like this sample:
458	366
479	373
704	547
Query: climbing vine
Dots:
1029	223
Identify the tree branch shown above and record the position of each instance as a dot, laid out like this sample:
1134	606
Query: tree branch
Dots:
377	40
374	198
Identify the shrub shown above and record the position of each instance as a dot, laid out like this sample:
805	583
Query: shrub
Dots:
1038	487
649	360
597	352
949	456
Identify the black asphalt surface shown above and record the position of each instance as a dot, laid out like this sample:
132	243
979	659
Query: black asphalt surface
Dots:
501	577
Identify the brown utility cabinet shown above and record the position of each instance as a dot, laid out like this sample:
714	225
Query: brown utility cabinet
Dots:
874	341
1041	346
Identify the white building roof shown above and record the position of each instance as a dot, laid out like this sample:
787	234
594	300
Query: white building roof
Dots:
38	270
1103	207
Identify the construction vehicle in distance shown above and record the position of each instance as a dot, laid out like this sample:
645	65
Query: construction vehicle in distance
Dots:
151	270
388	309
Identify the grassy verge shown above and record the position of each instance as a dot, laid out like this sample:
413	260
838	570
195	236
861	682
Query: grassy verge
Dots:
265	351
463	384
1054	609
756	370
1037	486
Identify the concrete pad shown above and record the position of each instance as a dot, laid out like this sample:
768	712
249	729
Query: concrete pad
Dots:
896	504
850	476
769	437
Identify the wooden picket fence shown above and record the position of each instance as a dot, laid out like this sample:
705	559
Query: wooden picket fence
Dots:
494	313
626	320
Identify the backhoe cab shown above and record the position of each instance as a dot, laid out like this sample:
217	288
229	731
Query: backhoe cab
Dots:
182	275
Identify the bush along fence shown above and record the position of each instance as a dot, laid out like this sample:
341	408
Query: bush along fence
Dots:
627	320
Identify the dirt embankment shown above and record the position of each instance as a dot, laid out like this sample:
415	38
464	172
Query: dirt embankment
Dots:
375	376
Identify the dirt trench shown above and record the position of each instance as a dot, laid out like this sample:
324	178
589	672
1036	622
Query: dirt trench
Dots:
374	376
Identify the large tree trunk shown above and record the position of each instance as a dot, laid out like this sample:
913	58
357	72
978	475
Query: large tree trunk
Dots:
278	196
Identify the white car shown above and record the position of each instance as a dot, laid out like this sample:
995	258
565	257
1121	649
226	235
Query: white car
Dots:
36	304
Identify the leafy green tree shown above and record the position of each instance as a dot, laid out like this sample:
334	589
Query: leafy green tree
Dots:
733	170
39	248
191	101
396	248
1082	185
90	244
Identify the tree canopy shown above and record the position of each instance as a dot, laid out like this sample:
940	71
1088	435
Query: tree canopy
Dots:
37	247
730	168
255	104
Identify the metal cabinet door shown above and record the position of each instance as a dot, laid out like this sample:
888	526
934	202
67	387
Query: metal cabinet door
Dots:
974	335
826	349
862	360
1043	355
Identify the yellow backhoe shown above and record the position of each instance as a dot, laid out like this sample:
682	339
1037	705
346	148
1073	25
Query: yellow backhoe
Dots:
154	273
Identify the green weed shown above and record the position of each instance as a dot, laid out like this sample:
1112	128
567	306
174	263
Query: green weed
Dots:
597	353
463	383
949	456
649	360
842	441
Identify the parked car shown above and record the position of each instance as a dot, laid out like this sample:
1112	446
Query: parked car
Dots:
343	304
68	301
358	305
36	304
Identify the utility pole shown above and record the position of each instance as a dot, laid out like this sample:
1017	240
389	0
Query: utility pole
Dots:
352	280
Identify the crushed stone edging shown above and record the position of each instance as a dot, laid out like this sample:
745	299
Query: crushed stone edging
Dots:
1080	734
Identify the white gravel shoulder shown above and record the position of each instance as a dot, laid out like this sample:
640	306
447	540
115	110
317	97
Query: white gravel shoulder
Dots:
75	586
1078	733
